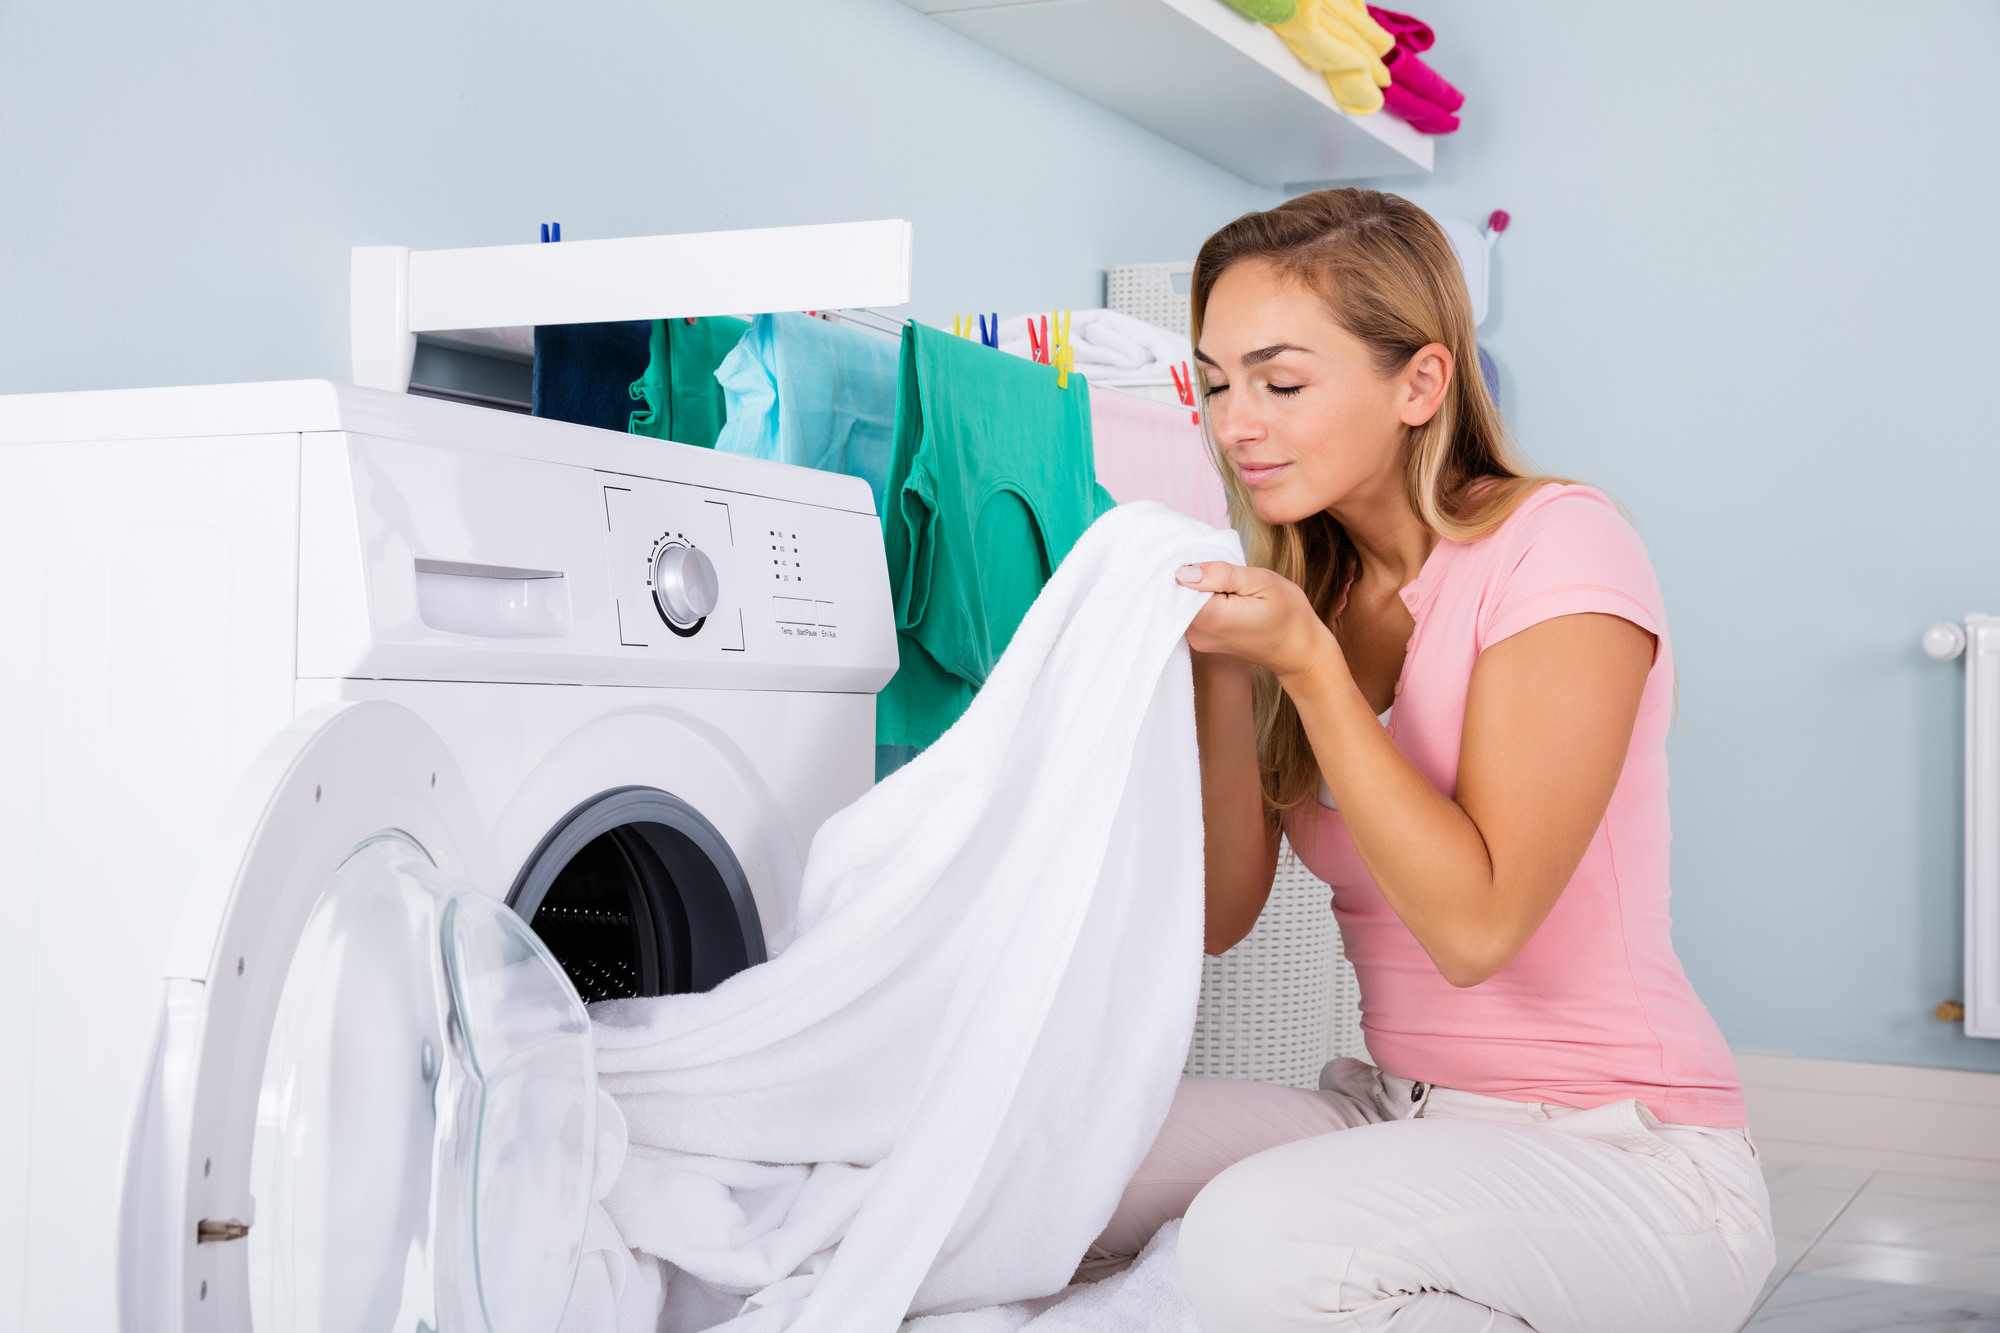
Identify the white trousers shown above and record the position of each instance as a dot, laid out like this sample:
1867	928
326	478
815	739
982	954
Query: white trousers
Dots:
1434	1211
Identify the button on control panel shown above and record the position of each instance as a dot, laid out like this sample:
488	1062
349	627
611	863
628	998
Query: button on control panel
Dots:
801	608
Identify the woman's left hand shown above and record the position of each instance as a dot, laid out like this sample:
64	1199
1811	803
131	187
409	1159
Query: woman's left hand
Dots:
1258	616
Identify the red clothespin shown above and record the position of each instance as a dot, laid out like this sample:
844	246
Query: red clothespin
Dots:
1184	386
1038	345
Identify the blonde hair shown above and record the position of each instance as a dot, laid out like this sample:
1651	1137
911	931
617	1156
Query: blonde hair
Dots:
1389	277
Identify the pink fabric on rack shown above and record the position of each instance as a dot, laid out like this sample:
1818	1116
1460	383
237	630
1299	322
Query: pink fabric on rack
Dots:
1149	450
1424	117
1408	72
1411	32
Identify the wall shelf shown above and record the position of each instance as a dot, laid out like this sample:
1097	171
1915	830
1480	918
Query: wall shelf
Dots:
1198	74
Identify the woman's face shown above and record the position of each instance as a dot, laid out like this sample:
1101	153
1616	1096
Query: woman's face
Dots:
1296	402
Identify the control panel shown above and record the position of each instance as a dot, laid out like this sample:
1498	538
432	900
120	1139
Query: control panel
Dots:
709	575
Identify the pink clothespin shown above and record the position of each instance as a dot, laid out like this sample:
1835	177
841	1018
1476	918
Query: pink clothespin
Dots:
1184	386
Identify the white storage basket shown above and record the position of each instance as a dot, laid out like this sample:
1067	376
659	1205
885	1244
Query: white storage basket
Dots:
1283	1002
1150	292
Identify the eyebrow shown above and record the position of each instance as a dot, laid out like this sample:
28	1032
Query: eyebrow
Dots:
1258	357
1263	354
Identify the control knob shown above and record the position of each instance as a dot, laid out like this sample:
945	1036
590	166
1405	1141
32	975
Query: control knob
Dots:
684	585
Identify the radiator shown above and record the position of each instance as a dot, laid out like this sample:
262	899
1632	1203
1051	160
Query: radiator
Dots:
1982	826
1283	1002
1979	640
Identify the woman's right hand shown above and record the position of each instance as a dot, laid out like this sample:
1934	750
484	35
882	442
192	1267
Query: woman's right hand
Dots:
1260	617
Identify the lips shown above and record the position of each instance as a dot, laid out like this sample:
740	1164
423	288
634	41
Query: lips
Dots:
1255	474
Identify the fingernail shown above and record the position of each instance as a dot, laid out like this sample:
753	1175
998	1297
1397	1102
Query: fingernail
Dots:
1188	574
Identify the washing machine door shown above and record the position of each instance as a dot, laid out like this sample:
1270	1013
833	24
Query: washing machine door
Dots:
373	1100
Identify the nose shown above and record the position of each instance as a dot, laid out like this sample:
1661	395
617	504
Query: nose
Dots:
1234	422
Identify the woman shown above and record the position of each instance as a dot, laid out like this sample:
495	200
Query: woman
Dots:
1448	681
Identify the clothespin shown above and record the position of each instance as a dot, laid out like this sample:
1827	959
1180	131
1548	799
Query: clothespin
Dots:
989	336
551	231
1038	347
1064	354
1184	386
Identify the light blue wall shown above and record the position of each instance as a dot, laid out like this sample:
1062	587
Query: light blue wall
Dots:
1750	290
182	183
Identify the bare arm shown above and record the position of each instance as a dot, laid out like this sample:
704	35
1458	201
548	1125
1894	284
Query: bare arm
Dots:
1548	722
1239	847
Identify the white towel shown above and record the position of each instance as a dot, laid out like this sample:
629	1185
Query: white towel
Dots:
932	1100
1145	1298
1109	344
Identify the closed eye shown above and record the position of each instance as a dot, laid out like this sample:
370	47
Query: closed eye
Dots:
1285	390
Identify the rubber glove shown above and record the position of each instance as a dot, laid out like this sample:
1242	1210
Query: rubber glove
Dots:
1266	11
1411	33
1413	75
1355	14
1325	43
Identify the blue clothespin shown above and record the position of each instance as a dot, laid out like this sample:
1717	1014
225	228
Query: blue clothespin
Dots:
990	334
551	231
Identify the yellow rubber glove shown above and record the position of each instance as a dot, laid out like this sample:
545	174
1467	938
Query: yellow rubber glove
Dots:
1355	12
1354	91
1322	41
1337	17
1317	47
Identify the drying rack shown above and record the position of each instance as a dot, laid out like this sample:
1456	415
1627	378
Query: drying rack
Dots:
397	292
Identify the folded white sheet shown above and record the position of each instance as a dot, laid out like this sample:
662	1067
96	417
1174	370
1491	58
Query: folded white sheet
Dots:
933	1099
1110	344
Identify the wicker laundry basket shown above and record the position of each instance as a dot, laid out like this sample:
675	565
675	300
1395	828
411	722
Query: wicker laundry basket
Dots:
1147	291
1283	1002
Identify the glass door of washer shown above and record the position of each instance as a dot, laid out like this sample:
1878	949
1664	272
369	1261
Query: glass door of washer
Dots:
422	1158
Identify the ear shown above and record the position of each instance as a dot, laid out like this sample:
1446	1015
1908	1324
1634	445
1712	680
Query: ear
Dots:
1424	382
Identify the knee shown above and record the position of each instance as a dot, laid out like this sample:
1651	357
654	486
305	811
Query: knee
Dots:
1237	1261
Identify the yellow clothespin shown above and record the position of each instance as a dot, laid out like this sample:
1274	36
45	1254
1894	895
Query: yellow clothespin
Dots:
958	326
1063	358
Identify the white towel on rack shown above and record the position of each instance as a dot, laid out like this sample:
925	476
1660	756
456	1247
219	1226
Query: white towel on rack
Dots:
932	1100
1110	344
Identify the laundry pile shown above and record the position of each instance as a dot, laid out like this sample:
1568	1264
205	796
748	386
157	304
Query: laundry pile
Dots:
933	1099
1368	56
1109	344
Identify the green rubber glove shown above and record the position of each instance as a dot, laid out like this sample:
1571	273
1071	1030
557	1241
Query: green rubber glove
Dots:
1266	11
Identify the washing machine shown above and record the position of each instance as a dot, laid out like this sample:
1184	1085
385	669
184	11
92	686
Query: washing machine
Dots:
349	743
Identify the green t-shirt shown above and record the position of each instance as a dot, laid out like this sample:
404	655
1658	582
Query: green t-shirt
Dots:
683	400
991	482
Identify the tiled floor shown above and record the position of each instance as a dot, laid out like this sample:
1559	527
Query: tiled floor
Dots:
1859	1253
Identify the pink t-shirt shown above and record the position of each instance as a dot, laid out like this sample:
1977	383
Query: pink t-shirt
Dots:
1595	1008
